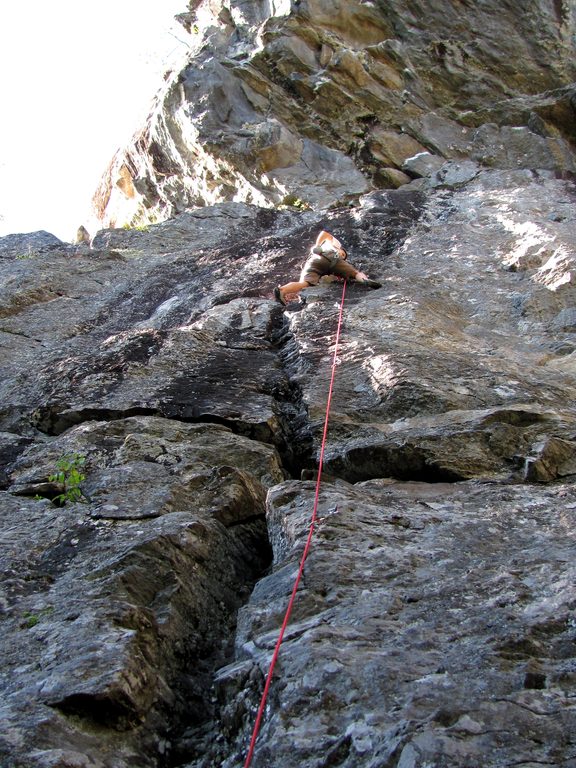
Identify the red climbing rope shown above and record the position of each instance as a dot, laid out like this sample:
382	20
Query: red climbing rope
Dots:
313	520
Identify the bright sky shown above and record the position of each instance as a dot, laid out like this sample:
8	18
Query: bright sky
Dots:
76	81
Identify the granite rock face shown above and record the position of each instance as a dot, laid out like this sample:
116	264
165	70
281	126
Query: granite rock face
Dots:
311	103
434	624
434	627
116	610
161	416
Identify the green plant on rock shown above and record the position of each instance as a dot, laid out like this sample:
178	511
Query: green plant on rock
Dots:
69	475
291	201
31	619
30	254
136	227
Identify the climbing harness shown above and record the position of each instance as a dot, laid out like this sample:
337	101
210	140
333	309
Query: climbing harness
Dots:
313	521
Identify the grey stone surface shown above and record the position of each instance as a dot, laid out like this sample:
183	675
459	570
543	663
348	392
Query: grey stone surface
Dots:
434	625
28	245
114	610
423	164
315	103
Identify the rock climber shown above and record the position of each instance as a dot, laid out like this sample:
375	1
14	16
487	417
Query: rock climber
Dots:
327	257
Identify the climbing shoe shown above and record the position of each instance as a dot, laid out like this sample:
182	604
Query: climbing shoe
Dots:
278	296
372	283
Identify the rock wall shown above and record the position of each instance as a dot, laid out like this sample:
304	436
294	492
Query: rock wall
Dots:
435	621
311	103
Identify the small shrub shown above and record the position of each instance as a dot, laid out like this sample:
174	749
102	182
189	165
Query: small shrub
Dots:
69	475
136	227
31	619
291	201
30	254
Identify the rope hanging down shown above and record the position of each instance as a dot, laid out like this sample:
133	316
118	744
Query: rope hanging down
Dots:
313	520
